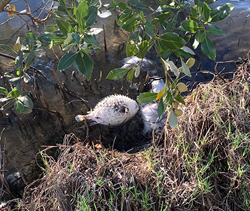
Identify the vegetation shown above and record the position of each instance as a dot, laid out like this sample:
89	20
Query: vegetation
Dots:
160	28
164	30
203	164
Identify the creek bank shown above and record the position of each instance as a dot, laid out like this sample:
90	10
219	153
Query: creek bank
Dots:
194	163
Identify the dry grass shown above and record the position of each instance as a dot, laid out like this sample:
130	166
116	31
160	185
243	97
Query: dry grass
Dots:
204	164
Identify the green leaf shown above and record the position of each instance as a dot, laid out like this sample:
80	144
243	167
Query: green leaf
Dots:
131	47
3	91
29	60
69	38
50	28
173	121
24	93
14	93
91	40
62	3
200	36
19	106
113	2
166	53
8	104
130	24
215	30
19	61
66	61
161	18
182	53
64	26
91	17
123	18
76	37
208	48
221	12
172	67
185	69
172	40
6	47
188	50
26	77
130	75
50	37
93	2
67	48
117	73
194	14
13	80
124	6
81	13
206	10
17	46
161	108
144	47
146	97
191	26
84	64
139	4
27	103
169	97
180	99
169	25
149	28
30	40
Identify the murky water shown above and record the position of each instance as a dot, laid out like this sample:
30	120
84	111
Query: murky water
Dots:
235	44
24	135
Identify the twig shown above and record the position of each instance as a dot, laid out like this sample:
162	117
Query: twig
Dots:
87	129
46	106
30	14
218	74
58	81
5	21
13	58
43	9
104	39
27	23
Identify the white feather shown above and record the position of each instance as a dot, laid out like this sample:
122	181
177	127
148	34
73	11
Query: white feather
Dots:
112	110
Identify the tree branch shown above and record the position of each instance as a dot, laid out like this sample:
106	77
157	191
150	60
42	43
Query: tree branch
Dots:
3	4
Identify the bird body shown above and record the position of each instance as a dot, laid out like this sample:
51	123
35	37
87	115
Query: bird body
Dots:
149	111
112	111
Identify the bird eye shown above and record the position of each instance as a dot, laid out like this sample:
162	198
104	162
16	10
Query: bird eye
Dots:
123	109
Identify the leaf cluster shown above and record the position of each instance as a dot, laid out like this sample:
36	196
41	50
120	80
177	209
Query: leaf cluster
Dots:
148	27
72	32
162	29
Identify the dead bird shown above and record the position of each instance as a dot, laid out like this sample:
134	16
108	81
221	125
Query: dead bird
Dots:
149	111
112	111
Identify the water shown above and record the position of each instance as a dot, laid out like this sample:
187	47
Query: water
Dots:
24	135
236	42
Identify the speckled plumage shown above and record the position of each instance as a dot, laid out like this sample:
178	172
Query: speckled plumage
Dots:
112	110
